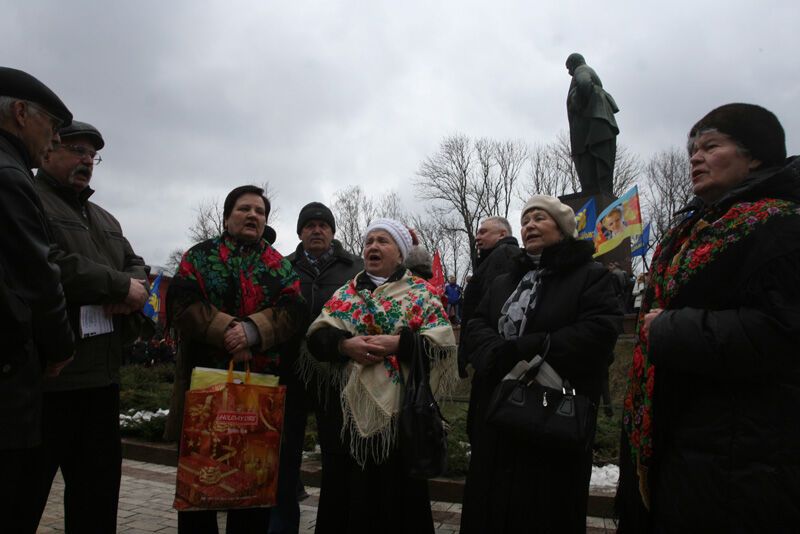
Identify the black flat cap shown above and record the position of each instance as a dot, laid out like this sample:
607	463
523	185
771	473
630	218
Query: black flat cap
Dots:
18	84
83	129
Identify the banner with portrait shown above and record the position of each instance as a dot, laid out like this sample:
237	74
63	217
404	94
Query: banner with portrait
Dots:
622	218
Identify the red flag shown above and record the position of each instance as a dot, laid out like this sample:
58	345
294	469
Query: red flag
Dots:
437	280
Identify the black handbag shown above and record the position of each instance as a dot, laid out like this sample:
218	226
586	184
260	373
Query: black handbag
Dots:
549	416
422	430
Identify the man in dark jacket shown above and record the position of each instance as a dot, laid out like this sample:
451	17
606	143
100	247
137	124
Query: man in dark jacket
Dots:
323	266
33	319
496	250
105	285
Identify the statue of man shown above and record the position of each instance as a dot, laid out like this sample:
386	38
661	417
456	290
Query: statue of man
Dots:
592	128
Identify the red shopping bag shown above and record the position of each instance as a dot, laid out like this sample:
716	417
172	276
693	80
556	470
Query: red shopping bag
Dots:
230	446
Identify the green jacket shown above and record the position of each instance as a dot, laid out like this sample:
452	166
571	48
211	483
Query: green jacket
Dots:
96	263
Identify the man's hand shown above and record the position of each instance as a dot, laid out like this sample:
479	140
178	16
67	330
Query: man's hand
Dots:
137	294
54	368
235	339
360	350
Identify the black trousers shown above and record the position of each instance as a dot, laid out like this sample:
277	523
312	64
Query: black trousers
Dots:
245	521
285	517
80	434
19	487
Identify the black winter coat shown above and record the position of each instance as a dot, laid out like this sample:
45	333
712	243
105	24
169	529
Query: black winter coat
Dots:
726	419
494	262
33	318
317	289
514	486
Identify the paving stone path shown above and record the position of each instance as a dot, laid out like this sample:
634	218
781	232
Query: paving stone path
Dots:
145	505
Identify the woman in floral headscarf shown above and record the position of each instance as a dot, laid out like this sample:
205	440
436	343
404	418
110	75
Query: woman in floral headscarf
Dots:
235	297
364	336
712	412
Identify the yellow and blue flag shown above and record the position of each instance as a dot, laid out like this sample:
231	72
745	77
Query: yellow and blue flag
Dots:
153	304
585	220
622	218
640	243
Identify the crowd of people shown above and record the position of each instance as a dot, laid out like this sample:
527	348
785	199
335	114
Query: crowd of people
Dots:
711	431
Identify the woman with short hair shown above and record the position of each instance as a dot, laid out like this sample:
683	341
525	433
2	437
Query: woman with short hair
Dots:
556	289
235	297
712	411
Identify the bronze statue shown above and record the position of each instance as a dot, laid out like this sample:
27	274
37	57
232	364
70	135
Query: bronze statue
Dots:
592	128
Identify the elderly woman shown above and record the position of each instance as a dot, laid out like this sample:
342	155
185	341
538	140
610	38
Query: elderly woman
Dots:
235	297
516	485
365	336
712	413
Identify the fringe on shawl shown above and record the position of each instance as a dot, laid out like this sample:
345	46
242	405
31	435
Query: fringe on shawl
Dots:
380	444
330	378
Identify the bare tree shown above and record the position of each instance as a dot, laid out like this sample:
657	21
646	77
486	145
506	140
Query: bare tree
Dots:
443	234
510	157
552	171
209	221
668	189
466	180
627	169
174	260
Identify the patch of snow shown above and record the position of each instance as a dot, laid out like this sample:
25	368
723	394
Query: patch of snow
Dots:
605	476
134	418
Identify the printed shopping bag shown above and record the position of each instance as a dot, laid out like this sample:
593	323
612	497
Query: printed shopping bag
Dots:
230	446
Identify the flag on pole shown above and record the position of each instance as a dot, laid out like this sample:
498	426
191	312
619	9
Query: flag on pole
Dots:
622	218
640	243
585	220
153	304
437	279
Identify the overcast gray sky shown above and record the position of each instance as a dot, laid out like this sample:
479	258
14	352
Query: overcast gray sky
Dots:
195	98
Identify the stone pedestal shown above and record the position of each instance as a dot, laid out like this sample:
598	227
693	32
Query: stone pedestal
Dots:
622	253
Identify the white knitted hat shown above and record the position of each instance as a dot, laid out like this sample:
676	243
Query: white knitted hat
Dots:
396	229
563	214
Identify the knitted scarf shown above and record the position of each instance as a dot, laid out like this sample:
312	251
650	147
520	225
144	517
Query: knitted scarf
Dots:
238	279
371	395
686	250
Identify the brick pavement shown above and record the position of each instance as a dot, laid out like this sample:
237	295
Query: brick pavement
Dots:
145	505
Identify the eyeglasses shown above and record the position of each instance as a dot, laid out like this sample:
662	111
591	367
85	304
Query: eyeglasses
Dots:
83	152
55	122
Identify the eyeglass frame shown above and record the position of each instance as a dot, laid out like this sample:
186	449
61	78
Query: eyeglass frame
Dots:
55	122
82	152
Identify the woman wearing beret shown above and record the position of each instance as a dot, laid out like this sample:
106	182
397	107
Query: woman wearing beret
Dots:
235	297
517	485
712	412
366	334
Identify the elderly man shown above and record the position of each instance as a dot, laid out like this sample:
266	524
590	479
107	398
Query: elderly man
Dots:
33	319
105	285
324	266
496	246
496	249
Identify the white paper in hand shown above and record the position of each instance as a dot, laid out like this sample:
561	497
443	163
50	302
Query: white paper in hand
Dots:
94	321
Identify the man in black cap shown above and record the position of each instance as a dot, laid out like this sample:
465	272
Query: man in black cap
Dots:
323	266
106	287
33	319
